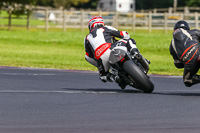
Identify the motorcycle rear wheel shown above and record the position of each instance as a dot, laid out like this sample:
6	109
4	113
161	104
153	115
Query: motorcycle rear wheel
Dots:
138	76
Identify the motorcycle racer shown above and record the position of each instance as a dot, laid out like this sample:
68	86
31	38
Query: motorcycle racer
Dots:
98	44
184	49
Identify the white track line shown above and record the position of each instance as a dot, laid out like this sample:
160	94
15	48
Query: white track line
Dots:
31	74
92	92
67	92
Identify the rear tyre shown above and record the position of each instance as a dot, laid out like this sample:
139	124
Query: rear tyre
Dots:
138	76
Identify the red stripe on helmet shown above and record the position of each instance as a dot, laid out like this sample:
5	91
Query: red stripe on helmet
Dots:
95	17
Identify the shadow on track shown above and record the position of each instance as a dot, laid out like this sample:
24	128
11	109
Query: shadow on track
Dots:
178	93
103	90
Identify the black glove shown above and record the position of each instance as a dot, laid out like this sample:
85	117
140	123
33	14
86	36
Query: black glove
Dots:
134	51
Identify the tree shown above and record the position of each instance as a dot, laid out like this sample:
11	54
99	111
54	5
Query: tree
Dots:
61	3
151	4
18	7
45	3
68	3
91	4
85	4
193	3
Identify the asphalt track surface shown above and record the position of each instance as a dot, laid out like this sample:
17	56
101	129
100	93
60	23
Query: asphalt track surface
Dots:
63	101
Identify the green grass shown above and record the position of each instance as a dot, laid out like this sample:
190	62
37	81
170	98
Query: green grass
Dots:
65	50
42	49
155	47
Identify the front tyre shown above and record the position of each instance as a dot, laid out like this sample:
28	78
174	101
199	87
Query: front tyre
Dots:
138	76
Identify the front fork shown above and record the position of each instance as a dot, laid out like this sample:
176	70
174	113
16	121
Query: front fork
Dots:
144	62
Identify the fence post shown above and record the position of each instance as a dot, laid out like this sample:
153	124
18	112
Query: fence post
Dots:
175	5
46	19
10	17
28	22
64	20
116	19
155	10
170	10
82	20
196	20
182	16
134	20
165	22
186	10
28	18
100	13
150	21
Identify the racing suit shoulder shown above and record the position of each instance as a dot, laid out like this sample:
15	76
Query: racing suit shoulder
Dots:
111	28
180	34
196	31
116	33
195	35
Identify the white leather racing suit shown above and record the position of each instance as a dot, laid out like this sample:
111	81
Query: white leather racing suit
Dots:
98	43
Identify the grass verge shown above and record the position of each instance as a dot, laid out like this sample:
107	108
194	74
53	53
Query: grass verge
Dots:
65	50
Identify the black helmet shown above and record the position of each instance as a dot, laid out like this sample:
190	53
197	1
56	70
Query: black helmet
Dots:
182	24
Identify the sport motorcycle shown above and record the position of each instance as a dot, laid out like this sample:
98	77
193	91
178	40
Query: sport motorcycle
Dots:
131	70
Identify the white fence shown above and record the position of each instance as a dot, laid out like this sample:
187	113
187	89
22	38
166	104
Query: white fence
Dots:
79	19
133	20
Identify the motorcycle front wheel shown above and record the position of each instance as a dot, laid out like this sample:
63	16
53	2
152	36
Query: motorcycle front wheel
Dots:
138	76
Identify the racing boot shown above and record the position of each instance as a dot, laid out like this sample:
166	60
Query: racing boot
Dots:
105	77
113	78
108	77
196	79
122	85
118	80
